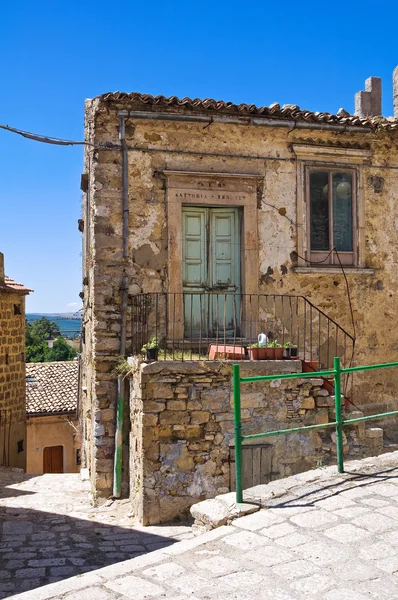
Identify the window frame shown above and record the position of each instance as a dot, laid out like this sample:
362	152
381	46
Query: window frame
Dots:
324	258
330	157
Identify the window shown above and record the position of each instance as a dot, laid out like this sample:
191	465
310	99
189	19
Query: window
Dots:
331	210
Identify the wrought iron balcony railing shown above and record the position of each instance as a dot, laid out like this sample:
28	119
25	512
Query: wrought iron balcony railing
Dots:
185	326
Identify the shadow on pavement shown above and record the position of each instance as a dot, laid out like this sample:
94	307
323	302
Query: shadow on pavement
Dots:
39	547
361	480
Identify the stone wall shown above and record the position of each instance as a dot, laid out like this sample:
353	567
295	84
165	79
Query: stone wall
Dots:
182	430
12	379
268	153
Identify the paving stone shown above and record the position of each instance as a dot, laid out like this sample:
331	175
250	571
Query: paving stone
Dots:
375	522
378	550
375	502
312	520
218	565
315	585
276	531
390	564
352	512
347	534
134	587
93	593
164	572
189	583
292	540
295	569
241	579
268	556
258	520
323	553
245	540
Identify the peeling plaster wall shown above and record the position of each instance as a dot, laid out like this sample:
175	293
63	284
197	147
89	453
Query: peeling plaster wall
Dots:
373	295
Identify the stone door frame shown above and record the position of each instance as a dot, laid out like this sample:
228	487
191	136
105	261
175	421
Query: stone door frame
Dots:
216	190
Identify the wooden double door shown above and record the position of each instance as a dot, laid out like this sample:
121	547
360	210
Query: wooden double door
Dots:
53	459
211	260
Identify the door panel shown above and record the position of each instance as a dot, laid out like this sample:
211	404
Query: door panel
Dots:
211	266
53	459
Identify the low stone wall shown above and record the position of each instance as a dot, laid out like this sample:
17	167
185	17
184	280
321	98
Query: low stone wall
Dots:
182	430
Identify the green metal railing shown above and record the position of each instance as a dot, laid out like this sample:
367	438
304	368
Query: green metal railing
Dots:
339	423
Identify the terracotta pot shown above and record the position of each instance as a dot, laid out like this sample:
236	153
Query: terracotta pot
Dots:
266	353
274	353
258	353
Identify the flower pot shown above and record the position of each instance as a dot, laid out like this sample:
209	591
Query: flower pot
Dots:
152	353
266	353
291	352
258	353
274	353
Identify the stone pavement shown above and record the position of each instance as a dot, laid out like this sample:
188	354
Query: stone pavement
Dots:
49	531
323	536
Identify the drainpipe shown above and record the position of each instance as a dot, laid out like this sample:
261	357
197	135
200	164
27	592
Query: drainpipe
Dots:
117	467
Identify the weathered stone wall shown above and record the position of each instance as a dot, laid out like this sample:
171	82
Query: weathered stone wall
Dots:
182	430
12	378
267	152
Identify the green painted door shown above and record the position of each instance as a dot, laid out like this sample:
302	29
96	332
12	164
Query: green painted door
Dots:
211	271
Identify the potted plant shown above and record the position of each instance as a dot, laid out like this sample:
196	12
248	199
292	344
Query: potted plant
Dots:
257	352
270	351
151	349
274	350
291	350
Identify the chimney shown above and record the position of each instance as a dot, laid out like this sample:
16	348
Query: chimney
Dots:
368	103
395	91
1	269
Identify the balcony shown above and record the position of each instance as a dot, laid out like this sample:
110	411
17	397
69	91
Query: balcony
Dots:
200	326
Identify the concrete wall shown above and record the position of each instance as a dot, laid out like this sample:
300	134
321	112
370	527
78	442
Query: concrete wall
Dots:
43	432
12	379
182	430
273	156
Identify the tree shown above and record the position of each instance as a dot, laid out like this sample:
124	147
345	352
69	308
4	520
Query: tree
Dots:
43	329
37	349
61	350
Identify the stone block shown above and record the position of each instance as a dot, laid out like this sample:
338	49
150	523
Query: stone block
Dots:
159	390
176	405
200	416
374	432
308	403
320	392
152	406
174	417
324	401
149	420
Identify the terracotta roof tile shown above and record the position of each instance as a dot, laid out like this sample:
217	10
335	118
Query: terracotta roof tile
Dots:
12	286
146	102
51	387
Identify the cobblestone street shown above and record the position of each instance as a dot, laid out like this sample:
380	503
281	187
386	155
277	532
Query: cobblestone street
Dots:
323	536
50	531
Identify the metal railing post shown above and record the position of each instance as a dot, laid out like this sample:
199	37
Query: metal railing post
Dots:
238	434
339	419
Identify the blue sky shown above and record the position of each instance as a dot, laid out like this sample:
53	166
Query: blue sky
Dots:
56	53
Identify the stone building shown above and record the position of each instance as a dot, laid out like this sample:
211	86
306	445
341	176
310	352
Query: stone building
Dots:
12	371
52	428
206	223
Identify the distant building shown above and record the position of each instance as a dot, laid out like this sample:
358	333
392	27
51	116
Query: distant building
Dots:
53	440
12	371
